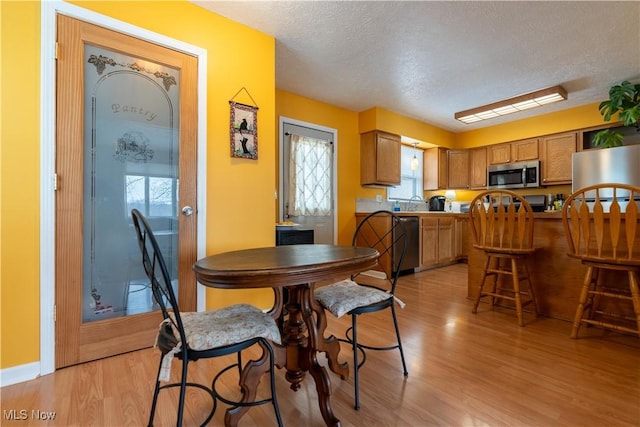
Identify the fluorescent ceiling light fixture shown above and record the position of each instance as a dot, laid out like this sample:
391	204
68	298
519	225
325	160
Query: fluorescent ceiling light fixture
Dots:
513	105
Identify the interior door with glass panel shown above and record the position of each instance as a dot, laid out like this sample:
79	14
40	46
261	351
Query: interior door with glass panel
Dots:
308	180
126	138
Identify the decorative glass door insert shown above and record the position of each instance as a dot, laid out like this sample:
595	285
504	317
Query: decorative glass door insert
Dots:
131	153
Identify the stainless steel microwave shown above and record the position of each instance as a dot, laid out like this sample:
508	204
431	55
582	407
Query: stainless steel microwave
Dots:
514	175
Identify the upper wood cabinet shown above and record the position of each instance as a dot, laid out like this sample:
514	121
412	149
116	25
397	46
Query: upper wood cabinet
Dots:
379	158
435	174
498	154
458	165
556	153
478	168
525	150
517	151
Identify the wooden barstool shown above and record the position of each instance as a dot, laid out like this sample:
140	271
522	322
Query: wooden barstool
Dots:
601	226
502	226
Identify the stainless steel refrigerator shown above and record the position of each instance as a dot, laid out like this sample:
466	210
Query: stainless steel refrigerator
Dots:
616	165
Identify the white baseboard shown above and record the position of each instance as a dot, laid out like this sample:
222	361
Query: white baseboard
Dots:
18	374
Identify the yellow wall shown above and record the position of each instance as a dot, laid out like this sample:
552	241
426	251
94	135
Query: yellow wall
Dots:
380	119
237	57
20	178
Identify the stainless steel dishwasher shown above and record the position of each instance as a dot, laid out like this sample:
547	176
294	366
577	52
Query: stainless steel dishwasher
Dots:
412	255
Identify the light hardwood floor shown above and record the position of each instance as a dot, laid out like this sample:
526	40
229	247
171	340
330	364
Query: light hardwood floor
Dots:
464	370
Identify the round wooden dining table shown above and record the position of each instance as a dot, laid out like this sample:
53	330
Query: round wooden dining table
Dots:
291	271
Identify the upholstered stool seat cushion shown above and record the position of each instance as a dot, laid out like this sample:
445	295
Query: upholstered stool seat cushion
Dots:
342	297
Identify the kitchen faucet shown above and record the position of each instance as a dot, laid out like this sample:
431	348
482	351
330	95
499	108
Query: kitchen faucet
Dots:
412	207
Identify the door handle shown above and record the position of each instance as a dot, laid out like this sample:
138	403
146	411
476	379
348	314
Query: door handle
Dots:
187	211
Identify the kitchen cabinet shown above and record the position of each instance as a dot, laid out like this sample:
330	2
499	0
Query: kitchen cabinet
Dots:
437	238
435	174
380	226
461	237
556	156
458	166
498	154
517	151
526	149
478	168
442	237
379	159
428	241
445	239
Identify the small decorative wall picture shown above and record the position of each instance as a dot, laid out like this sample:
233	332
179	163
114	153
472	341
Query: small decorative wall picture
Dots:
244	131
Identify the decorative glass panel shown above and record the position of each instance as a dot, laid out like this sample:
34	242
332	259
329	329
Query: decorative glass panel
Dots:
130	155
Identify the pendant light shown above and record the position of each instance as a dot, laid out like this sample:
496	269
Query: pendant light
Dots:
414	161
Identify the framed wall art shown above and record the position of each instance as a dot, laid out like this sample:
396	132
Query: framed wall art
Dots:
244	131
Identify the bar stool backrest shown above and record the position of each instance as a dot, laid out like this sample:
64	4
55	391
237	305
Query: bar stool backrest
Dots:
499	220
601	223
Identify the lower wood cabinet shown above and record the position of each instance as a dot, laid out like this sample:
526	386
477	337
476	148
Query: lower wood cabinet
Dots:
461	238
428	241
380	226
443	237
437	240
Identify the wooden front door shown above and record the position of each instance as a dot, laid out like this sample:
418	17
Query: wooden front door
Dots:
126	118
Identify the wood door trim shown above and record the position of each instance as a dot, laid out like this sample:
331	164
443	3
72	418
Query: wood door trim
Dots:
71	343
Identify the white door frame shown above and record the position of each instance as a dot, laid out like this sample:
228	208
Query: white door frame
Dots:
47	157
282	121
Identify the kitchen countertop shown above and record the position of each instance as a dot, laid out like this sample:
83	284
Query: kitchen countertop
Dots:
537	215
418	213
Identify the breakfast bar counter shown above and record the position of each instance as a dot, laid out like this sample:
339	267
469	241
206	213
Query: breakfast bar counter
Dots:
555	277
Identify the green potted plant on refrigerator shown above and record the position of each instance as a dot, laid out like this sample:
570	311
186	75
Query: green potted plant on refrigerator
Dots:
624	100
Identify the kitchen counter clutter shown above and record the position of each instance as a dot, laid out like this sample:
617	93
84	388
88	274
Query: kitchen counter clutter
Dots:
413	206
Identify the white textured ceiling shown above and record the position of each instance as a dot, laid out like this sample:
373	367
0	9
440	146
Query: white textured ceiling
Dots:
428	60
